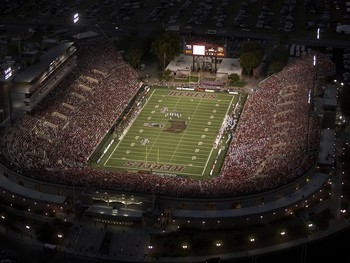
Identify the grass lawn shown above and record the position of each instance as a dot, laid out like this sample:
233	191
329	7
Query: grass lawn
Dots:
173	132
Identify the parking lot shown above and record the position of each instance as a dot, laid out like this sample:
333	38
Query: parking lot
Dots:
243	19
208	15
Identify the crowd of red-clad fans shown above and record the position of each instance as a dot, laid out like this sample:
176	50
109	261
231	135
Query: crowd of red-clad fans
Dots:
275	140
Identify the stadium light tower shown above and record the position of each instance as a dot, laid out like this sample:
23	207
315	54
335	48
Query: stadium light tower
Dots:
75	18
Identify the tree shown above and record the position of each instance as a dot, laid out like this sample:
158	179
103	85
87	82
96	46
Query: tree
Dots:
275	66
252	46
278	59
166	47
250	56
280	53
234	77
133	56
248	61
167	72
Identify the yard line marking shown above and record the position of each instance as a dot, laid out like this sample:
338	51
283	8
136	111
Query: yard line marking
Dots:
109	157
205	167
229	106
155	141
149	98
125	134
184	132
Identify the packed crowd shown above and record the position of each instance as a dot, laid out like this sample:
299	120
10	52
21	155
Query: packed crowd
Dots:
277	135
66	127
275	140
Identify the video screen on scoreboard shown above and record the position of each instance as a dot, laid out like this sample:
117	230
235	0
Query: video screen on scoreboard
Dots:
198	50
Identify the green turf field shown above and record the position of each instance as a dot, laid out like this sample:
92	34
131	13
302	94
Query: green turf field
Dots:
173	133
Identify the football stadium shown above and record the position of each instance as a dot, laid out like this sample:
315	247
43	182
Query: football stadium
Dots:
102	127
94	138
174	131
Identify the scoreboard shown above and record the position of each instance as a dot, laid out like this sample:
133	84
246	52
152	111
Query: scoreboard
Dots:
209	50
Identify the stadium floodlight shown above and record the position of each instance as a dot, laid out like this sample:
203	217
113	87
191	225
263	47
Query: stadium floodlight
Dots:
318	33
8	73
75	18
309	97
314	61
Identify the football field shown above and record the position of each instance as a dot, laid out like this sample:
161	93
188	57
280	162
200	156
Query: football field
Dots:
173	132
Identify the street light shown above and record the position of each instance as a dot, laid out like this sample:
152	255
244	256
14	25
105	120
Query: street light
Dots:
218	244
